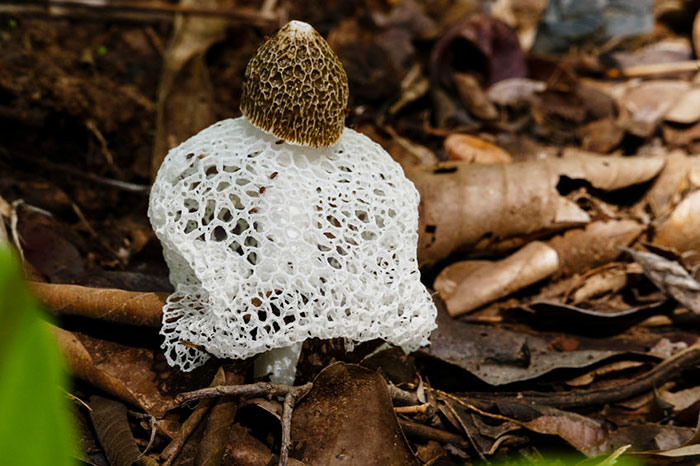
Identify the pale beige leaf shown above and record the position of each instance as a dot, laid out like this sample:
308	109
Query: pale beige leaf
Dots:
466	148
466	286
464	204
680	230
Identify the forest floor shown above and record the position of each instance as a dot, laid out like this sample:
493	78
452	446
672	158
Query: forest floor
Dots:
559	228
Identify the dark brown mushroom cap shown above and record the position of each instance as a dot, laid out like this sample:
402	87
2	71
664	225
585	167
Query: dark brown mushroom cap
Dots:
296	88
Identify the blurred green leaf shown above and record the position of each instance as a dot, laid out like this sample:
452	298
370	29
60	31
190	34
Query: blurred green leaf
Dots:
36	426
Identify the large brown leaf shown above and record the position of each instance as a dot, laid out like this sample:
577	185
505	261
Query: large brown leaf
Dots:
464	206
347	418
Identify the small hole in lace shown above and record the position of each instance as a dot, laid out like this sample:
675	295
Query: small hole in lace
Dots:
219	234
191	226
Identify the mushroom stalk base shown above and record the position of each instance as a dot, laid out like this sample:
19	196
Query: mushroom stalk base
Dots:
280	363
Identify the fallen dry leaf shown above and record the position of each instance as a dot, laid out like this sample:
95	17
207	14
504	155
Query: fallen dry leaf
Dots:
119	306
583	433
590	376
500	356
467	285
466	148
601	136
680	230
131	374
606	281
473	97
348	406
667	187
513	91
687	109
644	106
111	424
670	277
465	204
596	244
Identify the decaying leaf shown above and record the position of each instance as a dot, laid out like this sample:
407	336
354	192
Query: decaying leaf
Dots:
467	285
687	109
130	374
500	356
670	277
466	148
681	230
605	369
601	136
513	91
465	204
348	406
644	106
119	306
473	97
606	281
672	180
582	249
112	428
583	433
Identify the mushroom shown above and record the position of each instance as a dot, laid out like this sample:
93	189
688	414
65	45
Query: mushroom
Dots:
282	224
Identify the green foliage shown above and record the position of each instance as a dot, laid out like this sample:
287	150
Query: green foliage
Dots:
101	51
36	426
567	460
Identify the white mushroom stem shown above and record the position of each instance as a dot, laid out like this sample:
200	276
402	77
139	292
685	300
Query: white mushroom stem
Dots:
280	363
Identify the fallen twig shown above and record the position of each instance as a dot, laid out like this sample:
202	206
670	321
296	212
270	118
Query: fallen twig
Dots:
254	389
414	409
291	395
170	452
413	429
136	10
655	68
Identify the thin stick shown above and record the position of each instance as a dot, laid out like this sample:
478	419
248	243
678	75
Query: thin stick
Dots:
47	165
287	410
656	68
415	409
253	389
170	452
158	9
14	222
104	148
291	395
413	429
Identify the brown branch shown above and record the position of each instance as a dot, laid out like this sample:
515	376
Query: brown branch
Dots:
254	389
112	305
666	370
291	395
286	421
170	452
655	68
134	10
415	430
